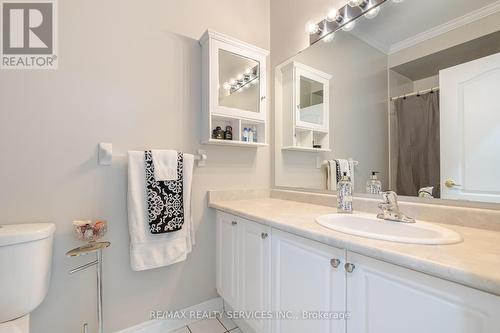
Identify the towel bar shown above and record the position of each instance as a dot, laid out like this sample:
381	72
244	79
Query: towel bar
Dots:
105	155
321	163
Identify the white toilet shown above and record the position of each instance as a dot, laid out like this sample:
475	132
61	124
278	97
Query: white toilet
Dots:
25	261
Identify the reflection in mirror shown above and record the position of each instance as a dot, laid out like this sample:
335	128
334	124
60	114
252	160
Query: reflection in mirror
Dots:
311	101
238	82
415	100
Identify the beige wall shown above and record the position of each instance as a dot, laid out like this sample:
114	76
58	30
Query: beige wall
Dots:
126	77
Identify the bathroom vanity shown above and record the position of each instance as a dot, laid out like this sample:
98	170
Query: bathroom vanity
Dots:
272	256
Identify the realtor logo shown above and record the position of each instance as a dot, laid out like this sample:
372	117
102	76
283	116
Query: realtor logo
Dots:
28	34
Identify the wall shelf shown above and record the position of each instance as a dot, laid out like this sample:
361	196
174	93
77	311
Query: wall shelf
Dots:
235	143
307	149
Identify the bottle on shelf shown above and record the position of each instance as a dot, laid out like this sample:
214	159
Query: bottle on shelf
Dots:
245	135
344	195
250	135
228	134
254	130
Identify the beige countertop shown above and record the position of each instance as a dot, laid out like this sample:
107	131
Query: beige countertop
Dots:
475	262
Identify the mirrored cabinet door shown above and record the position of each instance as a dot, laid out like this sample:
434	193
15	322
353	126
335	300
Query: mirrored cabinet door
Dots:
234	91
239	82
312	99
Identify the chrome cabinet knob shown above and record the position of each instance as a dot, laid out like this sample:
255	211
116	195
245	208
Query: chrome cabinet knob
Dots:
264	235
234	223
349	268
335	263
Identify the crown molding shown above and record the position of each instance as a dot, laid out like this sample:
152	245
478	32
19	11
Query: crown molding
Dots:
446	27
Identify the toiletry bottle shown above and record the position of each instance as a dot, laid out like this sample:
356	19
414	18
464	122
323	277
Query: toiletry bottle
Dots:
245	135
344	195
373	185
228	134
250	135
254	130
219	133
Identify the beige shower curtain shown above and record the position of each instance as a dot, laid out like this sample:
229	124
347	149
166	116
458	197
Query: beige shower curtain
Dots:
416	123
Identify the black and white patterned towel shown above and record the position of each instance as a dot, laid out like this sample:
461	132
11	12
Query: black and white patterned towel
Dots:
165	198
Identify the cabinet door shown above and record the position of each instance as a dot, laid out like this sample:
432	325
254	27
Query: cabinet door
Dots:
227	258
384	298
255	273
304	280
312	98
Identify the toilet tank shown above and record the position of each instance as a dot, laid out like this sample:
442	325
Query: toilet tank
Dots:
25	267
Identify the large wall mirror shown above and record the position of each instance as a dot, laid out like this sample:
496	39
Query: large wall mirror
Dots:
410	91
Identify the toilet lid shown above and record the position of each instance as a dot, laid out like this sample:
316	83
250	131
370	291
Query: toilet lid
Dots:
22	233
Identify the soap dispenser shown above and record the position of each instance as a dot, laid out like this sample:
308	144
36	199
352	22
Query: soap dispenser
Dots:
374	185
344	195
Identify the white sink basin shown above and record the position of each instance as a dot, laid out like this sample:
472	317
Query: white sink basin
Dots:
368	226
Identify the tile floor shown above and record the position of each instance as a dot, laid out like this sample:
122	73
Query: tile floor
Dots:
220	325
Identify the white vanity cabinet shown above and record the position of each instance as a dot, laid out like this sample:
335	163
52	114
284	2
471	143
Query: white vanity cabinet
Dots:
243	267
385	298
264	269
306	276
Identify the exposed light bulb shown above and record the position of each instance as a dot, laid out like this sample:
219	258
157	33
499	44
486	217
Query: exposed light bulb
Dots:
332	15
354	3
372	13
248	71
328	38
232	82
240	77
227	86
312	28
349	26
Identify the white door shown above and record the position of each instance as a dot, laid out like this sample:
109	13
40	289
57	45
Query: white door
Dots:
227	258
470	130
255	272
385	298
305	281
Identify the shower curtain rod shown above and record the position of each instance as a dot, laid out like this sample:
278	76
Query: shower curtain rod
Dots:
425	91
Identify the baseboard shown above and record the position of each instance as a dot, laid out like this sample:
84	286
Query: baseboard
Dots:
168	325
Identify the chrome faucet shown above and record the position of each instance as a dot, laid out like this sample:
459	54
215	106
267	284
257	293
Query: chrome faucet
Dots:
390	209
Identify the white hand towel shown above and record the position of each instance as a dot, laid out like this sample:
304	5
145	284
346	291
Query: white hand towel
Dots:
344	167
331	177
149	251
165	164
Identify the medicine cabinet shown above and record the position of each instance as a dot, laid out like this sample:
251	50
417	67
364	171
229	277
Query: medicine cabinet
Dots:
305	102
234	92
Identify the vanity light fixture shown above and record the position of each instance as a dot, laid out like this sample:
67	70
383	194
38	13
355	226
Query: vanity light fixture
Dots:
344	18
312	28
334	15
349	26
328	38
372	13
243	80
354	3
